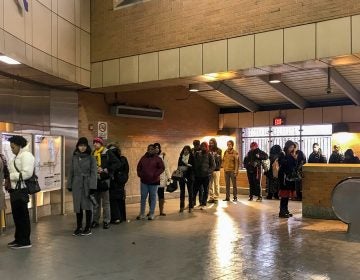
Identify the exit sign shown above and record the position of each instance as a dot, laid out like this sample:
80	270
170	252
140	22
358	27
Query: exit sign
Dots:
278	121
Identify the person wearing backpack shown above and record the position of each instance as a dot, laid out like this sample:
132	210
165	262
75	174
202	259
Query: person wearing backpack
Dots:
253	164
204	165
272	181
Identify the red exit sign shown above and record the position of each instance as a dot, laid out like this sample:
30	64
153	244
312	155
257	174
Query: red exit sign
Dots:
279	121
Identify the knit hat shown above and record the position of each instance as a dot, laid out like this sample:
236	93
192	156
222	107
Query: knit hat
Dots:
254	145
82	141
98	140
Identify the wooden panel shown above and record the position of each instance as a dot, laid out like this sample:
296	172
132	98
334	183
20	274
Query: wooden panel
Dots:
215	57
261	118
169	64
241	52
231	120
129	70
293	117
333	38
331	115
269	48
246	120
191	61
351	113
299	43
313	116
149	67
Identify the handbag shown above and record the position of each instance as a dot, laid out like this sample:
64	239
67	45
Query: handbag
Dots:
173	186
18	194
177	174
31	184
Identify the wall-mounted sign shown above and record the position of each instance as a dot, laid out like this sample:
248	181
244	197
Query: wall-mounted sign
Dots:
102	130
278	121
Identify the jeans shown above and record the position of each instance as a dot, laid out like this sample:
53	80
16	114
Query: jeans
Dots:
214	186
230	175
103	200
189	185
148	190
201	184
21	217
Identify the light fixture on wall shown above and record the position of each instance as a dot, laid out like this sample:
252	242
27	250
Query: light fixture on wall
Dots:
8	60
274	78
328	88
193	87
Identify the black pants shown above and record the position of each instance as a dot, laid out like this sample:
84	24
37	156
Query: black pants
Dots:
21	218
298	189
284	202
254	183
118	209
201	186
79	218
189	185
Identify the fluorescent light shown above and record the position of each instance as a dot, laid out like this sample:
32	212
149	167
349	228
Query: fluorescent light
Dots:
274	78
8	60
194	87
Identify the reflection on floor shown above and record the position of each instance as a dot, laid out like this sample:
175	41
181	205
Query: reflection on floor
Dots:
243	240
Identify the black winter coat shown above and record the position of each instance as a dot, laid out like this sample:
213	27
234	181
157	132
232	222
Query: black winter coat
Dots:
119	179
317	158
252	162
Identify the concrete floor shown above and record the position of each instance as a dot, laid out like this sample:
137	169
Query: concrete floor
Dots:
244	240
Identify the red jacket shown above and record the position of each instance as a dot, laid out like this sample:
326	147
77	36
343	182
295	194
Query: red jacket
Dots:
149	169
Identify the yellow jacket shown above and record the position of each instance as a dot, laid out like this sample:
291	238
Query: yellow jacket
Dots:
231	161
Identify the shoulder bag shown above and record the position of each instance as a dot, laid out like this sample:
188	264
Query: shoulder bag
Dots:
31	184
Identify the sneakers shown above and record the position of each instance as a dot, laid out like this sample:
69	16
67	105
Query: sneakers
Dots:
86	231
151	217
95	224
235	199
12	244
181	210
259	199
19	246
78	232
162	214
106	225
226	199
250	198
285	215
140	217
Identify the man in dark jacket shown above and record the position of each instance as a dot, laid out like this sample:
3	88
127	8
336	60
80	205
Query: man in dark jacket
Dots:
204	166
149	169
252	163
316	156
336	156
107	163
214	185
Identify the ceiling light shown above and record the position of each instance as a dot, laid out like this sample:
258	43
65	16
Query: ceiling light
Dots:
194	87
8	60
274	78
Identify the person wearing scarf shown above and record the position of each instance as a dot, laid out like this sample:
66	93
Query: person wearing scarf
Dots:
106	163
252	163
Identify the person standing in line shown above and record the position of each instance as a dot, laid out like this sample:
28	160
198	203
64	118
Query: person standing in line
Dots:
149	169
196	148
82	182
350	157
231	169
107	163
288	175
22	166
204	165
186	163
301	160
117	186
4	174
252	163
272	183
214	185
336	156
164	179
316	156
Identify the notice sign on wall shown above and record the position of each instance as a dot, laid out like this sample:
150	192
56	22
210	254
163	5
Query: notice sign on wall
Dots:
120	4
102	130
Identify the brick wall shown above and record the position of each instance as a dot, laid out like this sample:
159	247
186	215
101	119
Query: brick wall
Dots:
165	24
184	121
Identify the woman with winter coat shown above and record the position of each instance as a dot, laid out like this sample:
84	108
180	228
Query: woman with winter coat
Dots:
288	176
164	178
21	168
272	183
117	186
82	182
186	163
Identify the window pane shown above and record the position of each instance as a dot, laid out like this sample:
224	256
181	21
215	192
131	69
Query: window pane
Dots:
317	129
262	142
323	141
282	140
256	131
289	130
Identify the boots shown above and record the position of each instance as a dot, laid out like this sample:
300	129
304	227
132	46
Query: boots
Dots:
161	207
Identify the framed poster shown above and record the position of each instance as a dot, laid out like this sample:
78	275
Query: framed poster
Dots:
120	4
48	161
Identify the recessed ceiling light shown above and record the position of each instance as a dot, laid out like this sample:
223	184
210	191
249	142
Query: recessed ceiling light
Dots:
8	60
193	87
274	78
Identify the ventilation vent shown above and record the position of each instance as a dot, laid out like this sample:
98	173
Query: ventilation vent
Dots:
137	112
